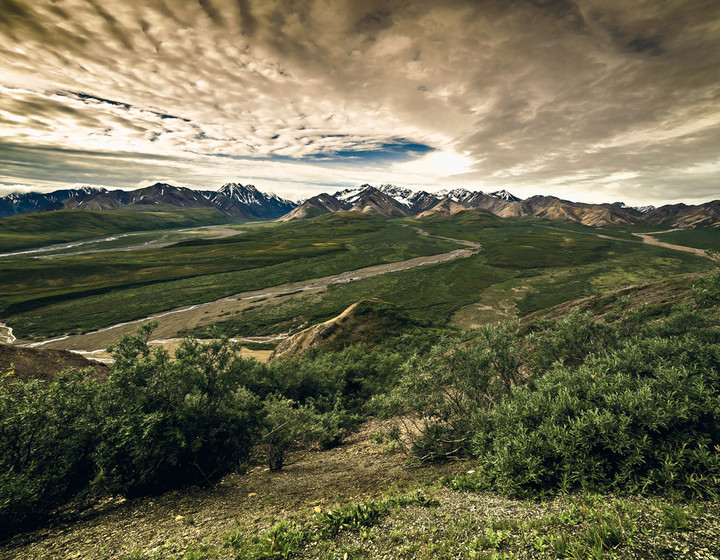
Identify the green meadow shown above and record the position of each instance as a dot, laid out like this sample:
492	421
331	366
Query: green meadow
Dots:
50	296
524	264
701	238
63	226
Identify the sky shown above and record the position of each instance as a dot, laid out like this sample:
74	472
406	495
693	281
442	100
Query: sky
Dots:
588	100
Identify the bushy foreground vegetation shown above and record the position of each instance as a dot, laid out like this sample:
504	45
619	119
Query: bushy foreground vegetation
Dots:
629	402
159	423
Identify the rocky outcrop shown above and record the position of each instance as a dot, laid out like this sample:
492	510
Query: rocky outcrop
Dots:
44	364
370	321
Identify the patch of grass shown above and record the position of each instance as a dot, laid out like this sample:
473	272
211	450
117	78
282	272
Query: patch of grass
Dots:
47	228
287	538
679	517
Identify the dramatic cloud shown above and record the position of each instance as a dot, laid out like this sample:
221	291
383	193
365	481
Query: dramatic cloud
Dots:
586	99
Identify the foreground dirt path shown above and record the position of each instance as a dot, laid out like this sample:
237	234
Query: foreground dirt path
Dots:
174	521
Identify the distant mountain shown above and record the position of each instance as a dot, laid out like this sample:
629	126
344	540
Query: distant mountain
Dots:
686	216
503	204
504	195
413	201
233	199
464	196
638	209
23	203
315	206
247	202
446	207
372	201
365	199
159	194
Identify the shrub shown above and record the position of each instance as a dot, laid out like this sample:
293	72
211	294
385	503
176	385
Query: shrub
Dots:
351	376
441	392
641	418
287	426
47	433
568	340
169	423
706	291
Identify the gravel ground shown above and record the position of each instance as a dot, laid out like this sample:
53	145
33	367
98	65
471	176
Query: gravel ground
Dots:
194	523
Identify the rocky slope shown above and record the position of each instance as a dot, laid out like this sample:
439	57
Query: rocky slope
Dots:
369	321
44	364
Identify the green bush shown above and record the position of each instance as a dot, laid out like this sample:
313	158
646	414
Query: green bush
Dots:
568	340
351	376
441	392
706	291
643	417
168	423
287	426
47	434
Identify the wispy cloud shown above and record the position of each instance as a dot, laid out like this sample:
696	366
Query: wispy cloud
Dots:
586	99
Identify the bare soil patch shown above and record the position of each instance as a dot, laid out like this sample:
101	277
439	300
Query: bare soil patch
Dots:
29	363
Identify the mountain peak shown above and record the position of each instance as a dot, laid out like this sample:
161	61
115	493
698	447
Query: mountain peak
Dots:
504	195
237	187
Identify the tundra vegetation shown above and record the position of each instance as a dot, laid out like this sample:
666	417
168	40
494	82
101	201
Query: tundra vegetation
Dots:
600	408
624	402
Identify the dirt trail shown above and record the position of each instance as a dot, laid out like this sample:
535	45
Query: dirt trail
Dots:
176	320
647	238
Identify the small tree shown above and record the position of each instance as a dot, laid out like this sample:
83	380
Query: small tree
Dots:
287	427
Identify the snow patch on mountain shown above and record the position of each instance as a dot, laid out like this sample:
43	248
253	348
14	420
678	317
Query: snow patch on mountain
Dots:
641	209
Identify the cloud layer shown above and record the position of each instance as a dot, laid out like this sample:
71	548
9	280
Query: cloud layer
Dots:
589	99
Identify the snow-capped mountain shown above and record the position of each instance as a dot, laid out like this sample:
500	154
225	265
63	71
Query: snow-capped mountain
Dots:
462	195
456	195
246	201
640	209
365	199
504	195
23	203
236	200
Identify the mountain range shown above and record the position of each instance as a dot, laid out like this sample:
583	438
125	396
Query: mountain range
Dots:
245	202
389	200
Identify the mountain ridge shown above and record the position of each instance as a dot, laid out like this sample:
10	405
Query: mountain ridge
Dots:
234	200
247	202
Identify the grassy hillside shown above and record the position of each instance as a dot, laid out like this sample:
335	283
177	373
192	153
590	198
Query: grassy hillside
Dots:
701	238
62	226
74	293
525	267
